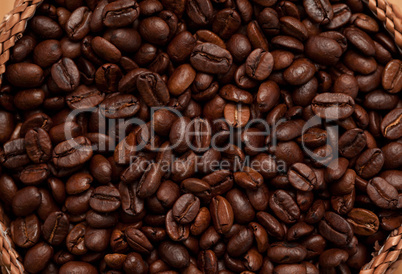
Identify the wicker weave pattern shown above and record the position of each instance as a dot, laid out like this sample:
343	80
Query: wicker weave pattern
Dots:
9	258
390	13
387	255
13	26
11	30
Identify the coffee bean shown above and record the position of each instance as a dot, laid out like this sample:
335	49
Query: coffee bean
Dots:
55	228
391	76
382	193
333	106
65	74
37	257
391	124
138	241
105	199
77	26
299	72
302	177
26	231
222	214
369	163
33	75
319	11
363	221
120	13
210	58
153	89
186	208
72	153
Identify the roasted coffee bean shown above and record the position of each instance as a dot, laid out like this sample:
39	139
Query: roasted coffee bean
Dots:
38	145
282	252
392	77
222	214
120	106
299	72
77	266
391	124
174	254
259	64
186	208
55	228
284	206
33	75
105	199
369	163
65	75
210	58
333	106
72	153
363	221
37	257
323	50
26	231
138	241
335	229
77	26
382	193
153	89
352	142
26	201
120	13
319	11
302	177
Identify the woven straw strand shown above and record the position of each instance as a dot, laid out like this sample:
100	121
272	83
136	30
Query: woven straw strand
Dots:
13	26
387	255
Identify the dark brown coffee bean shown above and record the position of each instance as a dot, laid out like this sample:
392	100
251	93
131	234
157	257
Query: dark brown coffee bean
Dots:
392	77
336	229
33	75
174	254
72	153
352	142
222	214
26	231
37	257
186	208
55	228
210	58
299	72
382	193
363	221
105	199
391	124
153	89
77	26
78	266
282	252
302	177
137	240
369	163
284	206
120	106
333	106
323	50
319	11
120	13
65	74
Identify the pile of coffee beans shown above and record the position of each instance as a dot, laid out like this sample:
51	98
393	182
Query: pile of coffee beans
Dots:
201	136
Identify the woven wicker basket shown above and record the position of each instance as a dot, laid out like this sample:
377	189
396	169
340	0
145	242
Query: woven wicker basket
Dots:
388	257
